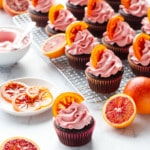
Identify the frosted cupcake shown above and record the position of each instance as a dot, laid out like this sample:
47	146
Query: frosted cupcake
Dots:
59	19
38	11
118	36
80	43
133	12
114	4
104	70
97	14
139	55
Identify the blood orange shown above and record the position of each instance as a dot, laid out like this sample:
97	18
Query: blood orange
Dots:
1	4
119	110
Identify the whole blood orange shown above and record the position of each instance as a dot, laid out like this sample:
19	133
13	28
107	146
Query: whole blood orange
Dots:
139	89
119	110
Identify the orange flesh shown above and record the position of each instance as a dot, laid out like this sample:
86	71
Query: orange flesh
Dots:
126	3
148	13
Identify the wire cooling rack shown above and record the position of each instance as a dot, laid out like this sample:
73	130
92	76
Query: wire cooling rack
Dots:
75	77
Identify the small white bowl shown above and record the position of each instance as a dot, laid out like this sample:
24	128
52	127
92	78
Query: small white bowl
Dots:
8	54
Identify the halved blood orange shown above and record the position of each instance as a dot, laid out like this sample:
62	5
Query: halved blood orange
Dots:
138	44
64	100
112	24
18	143
54	12
148	13
119	110
72	30
96	54
54	46
11	89
126	3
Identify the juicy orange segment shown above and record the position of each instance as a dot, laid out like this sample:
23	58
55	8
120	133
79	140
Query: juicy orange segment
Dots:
72	30
64	100
54	46
119	110
138	44
54	12
148	13
126	3
34	2
112	24
96	54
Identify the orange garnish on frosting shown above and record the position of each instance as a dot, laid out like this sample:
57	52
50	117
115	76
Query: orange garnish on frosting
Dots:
97	53
54	12
72	30
148	13
34	2
138	44
126	3
112	24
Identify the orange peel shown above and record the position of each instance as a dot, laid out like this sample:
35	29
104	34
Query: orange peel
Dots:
148	13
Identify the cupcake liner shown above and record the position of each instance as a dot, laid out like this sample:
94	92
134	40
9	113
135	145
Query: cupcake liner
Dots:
114	4
139	70
73	137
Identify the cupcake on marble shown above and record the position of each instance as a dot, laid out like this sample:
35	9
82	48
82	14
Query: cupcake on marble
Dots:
38	11
59	19
118	36
133	12
104	70
97	14
114	4
77	7
80	43
139	55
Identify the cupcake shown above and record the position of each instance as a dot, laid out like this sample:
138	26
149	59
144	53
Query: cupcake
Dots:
133	12
139	55
77	7
114	4
104	70
74	124
80	43
38	11
97	15
59	19
118	36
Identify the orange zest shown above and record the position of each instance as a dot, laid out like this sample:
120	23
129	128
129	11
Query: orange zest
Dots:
148	13
119	110
126	3
54	12
138	44
96	54
72	30
64	100
112	24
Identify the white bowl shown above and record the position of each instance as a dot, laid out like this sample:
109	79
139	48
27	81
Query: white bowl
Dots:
9	55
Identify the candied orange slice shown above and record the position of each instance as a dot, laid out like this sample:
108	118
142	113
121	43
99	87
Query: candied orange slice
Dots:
72	30
96	54
148	13
112	23
126	3
138	44
34	2
64	100
54	12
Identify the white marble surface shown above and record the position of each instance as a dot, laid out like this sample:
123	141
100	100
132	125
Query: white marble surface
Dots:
40	128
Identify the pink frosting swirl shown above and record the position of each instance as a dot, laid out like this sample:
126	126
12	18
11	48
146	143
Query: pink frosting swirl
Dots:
137	8
42	5
108	65
123	35
145	60
145	25
102	12
65	17
76	116
78	2
83	43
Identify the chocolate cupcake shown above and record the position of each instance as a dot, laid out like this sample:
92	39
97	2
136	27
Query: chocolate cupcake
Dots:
114	4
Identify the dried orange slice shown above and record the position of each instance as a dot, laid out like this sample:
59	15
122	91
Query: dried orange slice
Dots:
64	100
96	54
54	46
126	3
119	110
54	12
72	30
148	13
138	44
112	24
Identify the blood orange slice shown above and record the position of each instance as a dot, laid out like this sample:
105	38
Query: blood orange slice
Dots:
54	46
126	3
64	100
90	6
148	13
1	4
119	110
19	143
